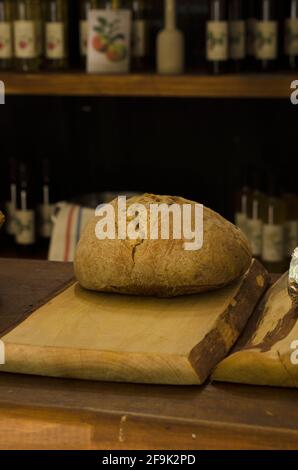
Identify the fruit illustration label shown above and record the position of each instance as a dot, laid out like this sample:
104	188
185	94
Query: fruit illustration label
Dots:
83	37
25	39
255	231
25	227
45	224
273	243
237	39
217	40
108	41
139	38
55	40
291	37
266	40
5	40
251	27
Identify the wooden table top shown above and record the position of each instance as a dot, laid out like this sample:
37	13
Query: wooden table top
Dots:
48	413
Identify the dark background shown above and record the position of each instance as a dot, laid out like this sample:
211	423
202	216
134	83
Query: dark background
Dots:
192	147
198	148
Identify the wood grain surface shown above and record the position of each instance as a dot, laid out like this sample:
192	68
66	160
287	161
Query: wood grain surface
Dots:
25	285
48	413
151	85
264	354
91	335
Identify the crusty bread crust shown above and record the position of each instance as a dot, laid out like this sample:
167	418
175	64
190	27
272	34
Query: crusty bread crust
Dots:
162	267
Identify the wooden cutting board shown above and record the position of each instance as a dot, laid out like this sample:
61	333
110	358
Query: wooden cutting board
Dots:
267	352
89	335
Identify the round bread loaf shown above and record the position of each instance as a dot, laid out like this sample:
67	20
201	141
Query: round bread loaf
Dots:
162	267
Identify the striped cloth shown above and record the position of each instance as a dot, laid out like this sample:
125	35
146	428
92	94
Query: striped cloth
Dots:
68	222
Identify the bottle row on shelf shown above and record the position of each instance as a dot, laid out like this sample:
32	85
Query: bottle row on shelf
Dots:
116	35
269	220
28	210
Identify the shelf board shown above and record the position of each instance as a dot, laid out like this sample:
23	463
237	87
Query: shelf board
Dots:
150	85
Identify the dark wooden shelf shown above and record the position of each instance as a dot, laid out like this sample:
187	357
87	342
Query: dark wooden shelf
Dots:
150	85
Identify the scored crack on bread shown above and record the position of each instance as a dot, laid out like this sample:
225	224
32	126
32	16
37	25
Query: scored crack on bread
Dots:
162	267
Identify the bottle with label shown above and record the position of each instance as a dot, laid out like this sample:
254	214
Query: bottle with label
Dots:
237	35
25	215
291	34
266	35
140	35
243	198
217	34
45	206
11	197
85	7
273	243
6	39
170	44
109	48
25	29
56	44
256	216
251	25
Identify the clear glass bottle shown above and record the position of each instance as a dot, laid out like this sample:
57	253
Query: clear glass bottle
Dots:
256	214
266	36
25	236
11	197
291	34
140	35
26	37
251	25
237	35
6	38
243	198
45	208
273	240
291	224
56	31
217	46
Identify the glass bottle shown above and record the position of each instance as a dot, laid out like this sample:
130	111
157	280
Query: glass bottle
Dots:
25	27
25	236
256	216
217	37
6	39
273	240
291	34
266	36
140	35
56	44
237	35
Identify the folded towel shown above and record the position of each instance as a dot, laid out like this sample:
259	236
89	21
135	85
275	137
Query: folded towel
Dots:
68	222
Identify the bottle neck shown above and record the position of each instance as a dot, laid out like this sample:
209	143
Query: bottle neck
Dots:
170	14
